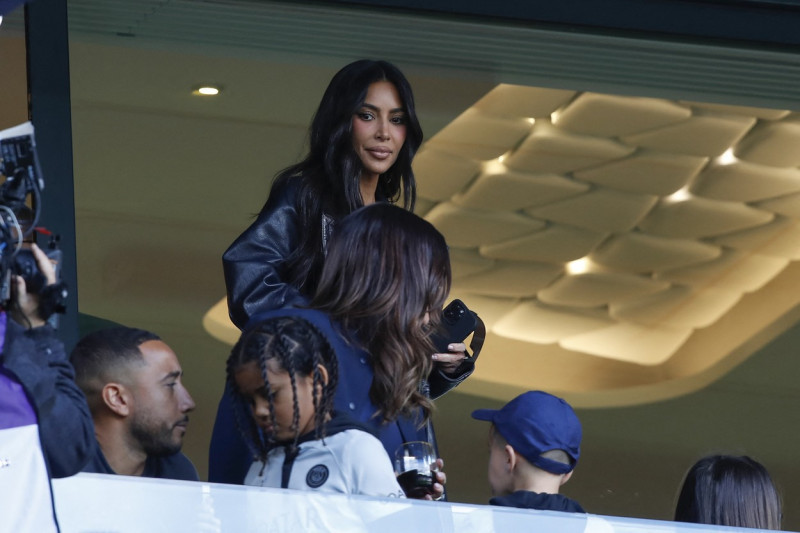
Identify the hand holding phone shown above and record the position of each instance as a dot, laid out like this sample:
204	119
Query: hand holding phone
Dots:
457	323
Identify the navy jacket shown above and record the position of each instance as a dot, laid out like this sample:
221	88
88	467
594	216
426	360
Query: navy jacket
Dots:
525	499
175	466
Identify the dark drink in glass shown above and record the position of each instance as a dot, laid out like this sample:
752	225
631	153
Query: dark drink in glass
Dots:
416	484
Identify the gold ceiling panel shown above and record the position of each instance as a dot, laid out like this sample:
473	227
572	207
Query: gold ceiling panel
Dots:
734	271
773	144
607	115
523	101
467	261
788	205
511	279
481	136
701	135
510	190
780	239
643	253
646	172
595	289
534	322
757	112
548	149
452	173
556	243
678	307
746	182
599	209
470	227
630	342
699	217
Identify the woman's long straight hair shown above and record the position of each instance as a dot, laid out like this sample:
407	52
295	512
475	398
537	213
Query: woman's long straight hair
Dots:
729	490
329	177
385	280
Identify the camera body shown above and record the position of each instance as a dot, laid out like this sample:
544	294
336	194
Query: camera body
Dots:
457	323
21	185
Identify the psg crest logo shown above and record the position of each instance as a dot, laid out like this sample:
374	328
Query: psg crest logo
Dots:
317	476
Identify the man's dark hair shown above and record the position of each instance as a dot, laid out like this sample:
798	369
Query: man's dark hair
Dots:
97	356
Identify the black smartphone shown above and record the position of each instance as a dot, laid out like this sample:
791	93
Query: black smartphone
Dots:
457	323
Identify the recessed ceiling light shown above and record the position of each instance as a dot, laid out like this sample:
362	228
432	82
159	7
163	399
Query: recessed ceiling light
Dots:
207	90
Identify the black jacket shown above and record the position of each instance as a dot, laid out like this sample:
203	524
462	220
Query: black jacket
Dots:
254	263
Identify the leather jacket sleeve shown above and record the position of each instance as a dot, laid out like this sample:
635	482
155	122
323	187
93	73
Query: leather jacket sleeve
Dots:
253	263
441	383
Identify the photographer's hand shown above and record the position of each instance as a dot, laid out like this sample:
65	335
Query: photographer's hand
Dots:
26	310
449	362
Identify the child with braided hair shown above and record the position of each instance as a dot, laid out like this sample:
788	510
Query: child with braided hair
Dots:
283	373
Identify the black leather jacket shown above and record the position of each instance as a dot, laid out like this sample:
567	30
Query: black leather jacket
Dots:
253	264
253	267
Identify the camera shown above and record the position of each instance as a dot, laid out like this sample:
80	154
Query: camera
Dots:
25	266
20	209
457	323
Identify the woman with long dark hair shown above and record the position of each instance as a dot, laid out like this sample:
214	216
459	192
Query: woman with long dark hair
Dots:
362	140
729	490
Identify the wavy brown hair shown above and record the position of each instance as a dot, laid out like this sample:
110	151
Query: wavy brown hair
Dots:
385	271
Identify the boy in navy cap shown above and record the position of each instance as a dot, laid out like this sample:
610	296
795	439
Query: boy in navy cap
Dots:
534	444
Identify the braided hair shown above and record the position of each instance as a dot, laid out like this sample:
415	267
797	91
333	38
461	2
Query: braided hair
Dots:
299	348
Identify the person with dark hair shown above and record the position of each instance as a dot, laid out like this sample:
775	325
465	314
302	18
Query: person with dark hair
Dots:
385	281
534	445
285	370
45	425
362	140
132	382
380	294
729	490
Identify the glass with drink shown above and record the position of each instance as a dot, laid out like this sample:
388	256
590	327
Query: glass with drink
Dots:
415	464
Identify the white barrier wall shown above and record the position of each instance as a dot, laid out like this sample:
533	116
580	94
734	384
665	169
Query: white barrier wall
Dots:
93	503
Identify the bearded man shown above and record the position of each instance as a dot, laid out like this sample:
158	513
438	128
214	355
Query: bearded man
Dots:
132	383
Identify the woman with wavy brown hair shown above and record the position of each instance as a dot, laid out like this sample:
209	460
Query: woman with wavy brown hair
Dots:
385	281
379	296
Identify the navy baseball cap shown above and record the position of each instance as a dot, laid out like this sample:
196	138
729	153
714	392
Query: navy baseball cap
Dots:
535	422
